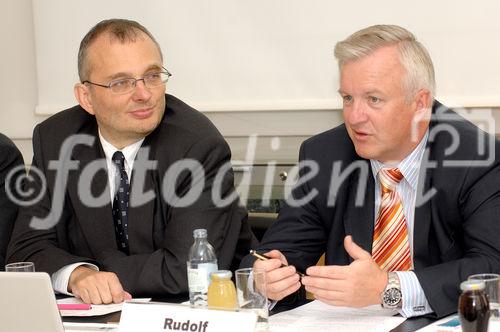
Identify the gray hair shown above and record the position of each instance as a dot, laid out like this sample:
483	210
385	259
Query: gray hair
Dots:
413	56
120	29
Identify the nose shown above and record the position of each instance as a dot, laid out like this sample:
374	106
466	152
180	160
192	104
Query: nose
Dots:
355	114
141	92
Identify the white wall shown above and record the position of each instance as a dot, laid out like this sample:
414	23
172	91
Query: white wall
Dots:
18	88
457	24
229	55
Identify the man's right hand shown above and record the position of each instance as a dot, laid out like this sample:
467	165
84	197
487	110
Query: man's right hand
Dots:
281	281
96	287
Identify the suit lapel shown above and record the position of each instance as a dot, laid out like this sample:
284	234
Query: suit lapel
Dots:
422	220
140	214
95	222
423	203
358	220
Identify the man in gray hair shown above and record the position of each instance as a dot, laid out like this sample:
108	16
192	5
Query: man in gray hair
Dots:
403	202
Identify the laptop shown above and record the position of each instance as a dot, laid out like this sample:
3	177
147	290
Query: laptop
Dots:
28	303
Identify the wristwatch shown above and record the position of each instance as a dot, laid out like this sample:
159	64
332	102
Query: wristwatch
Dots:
391	296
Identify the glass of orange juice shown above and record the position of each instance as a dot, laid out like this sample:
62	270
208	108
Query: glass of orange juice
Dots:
221	292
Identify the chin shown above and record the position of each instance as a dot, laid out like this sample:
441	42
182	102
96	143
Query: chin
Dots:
148	125
364	152
145	131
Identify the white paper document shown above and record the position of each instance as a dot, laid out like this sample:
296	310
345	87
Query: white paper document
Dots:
90	327
318	316
96	310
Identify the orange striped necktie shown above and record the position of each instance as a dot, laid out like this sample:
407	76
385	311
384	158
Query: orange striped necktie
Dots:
391	249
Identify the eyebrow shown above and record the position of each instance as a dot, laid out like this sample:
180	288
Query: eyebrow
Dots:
127	74
370	92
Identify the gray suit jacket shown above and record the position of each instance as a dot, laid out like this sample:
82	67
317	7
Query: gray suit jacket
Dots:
160	234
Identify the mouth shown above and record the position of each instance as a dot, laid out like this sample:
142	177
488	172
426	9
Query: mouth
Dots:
142	113
360	135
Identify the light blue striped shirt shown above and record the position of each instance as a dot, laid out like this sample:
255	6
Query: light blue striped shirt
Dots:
414	301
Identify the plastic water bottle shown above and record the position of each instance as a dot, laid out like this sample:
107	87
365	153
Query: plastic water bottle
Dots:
202	261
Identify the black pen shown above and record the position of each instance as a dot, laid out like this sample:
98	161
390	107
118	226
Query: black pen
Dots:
263	257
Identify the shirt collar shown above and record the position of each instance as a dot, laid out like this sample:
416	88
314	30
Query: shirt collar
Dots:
409	166
130	151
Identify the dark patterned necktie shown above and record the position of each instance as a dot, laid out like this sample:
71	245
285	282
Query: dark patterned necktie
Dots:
120	202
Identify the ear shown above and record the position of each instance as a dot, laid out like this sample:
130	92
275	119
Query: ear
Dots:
423	105
423	101
84	97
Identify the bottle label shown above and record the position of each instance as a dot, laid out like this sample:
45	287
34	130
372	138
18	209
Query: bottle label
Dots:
199	278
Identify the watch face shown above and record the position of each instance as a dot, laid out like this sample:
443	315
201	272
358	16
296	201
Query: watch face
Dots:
392	297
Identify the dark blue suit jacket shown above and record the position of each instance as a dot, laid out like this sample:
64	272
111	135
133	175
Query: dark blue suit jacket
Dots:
456	232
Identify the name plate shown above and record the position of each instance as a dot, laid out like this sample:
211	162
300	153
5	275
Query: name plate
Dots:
165	317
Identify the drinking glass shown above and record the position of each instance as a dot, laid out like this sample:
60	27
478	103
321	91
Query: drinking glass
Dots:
492	290
251	294
20	267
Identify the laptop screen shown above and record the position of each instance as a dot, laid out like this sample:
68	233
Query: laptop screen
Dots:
27	303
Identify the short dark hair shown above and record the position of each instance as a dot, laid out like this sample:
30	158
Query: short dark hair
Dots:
121	29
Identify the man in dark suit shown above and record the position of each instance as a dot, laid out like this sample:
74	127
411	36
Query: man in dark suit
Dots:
403	198
10	160
104	238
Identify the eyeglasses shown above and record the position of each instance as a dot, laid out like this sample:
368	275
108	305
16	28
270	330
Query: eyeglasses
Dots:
125	85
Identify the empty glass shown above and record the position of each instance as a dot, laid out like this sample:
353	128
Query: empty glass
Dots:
492	290
251	293
20	267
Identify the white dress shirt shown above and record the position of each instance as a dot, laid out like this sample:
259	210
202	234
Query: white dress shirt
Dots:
60	278
414	302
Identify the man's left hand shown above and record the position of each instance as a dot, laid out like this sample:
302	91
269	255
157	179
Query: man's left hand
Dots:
358	284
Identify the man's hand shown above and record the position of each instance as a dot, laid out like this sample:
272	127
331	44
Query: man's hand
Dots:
281	281
356	285
96	287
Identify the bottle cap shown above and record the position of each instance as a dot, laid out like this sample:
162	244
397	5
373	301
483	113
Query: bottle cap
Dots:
222	274
200	232
472	285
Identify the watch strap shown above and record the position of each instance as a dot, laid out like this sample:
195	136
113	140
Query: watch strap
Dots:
393	285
